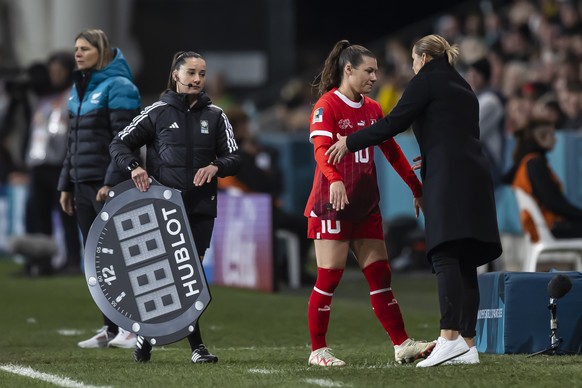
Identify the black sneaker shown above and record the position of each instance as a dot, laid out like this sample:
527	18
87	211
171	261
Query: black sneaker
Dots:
143	350
202	355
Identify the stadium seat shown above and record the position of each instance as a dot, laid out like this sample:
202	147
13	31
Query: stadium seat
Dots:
547	248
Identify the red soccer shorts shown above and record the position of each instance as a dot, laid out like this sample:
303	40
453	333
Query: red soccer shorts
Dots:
370	228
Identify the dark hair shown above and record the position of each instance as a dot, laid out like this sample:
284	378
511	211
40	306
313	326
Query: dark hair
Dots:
525	140
237	118
236	115
98	39
342	53
483	67
67	60
178	60
38	79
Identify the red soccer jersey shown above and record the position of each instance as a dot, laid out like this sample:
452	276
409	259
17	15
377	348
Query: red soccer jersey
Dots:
335	113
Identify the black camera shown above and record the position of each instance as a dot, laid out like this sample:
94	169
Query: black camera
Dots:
35	78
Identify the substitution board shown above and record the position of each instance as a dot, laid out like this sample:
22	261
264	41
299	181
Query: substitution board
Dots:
141	263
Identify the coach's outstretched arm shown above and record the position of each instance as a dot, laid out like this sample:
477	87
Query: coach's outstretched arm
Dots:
414	100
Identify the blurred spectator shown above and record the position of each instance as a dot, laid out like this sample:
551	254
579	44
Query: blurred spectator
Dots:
515	75
260	173
6	163
518	111
473	24
492	24
549	9
532	173
44	158
397	53
294	109
217	87
547	108
472	48
388	88
576	46
534	90
517	44
491	115
448	27
571	104
23	92
520	12
290	114
472	44
497	68
568	17
393	74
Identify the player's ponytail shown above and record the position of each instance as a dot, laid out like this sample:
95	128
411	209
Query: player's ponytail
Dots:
341	54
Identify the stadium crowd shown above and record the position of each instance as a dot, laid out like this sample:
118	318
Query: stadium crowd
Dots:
528	54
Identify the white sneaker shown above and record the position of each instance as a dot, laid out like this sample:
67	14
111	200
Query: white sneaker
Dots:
471	357
444	350
124	339
324	357
99	340
411	350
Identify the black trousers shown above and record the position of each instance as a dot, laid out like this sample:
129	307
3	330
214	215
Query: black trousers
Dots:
86	209
86	206
201	227
458	290
42	201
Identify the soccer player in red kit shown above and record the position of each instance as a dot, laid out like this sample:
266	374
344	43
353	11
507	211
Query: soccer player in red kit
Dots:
343	208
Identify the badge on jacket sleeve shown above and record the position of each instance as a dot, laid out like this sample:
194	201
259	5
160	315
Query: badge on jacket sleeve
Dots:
141	264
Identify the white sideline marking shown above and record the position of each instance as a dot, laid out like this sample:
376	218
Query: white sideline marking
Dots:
53	379
231	348
262	371
261	348
70	332
325	383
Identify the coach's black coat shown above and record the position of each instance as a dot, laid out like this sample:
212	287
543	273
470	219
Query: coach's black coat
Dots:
179	141
457	184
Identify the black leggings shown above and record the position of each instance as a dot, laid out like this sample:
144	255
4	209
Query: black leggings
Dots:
458	293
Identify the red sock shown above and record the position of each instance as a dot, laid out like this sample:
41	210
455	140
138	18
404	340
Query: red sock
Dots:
383	301
318	310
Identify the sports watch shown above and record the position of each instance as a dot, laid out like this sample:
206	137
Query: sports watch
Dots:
133	165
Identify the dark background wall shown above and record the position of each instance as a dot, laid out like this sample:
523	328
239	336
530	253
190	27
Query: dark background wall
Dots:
295	35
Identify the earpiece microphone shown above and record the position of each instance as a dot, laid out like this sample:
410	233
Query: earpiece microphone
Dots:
190	85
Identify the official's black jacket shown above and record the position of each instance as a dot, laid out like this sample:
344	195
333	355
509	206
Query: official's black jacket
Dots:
179	141
458	189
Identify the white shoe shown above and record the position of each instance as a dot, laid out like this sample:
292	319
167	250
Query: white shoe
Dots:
444	350
471	357
123	339
99	340
411	350
324	357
